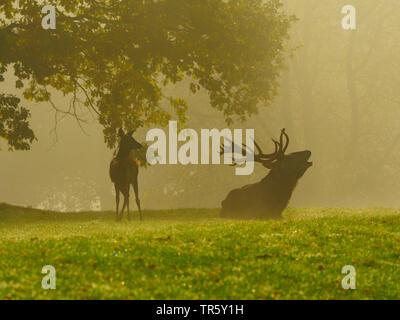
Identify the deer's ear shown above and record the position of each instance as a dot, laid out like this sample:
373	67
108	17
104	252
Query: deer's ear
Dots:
121	132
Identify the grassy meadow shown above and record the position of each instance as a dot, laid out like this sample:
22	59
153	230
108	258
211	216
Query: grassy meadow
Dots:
192	254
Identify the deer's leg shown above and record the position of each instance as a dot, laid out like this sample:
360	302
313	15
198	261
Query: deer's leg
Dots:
123	207
136	189
117	191
127	202
125	192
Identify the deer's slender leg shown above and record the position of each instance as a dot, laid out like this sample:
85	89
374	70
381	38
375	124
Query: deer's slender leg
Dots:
136	189
127	202
125	193
117	191
123	207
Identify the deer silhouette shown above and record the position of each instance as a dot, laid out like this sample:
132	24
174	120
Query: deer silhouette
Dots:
270	196
124	172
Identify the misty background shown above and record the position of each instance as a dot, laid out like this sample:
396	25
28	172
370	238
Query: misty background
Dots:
338	97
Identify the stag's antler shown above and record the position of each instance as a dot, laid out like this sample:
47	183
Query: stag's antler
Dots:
283	134
267	160
222	151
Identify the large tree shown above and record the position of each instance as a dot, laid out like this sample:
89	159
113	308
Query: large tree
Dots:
115	58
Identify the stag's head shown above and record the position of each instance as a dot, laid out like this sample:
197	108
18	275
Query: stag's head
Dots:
288	165
294	164
127	142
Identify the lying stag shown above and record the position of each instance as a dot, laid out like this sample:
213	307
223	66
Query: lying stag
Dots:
269	197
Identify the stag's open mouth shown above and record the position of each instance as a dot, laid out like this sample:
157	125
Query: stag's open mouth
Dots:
309	163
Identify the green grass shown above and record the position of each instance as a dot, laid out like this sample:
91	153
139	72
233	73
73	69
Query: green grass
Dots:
191	254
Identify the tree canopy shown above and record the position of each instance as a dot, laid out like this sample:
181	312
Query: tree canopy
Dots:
115	57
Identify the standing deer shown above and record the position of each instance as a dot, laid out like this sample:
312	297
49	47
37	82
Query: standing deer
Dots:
270	196
124	172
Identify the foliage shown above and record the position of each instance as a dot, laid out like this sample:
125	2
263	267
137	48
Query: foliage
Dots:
14	123
115	57
190	254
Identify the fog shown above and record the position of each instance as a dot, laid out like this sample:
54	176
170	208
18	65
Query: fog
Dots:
338	97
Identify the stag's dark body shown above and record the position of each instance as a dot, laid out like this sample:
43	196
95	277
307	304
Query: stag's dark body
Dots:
269	197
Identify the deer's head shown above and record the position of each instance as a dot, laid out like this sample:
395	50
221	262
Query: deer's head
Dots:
294	164
289	165
127	143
